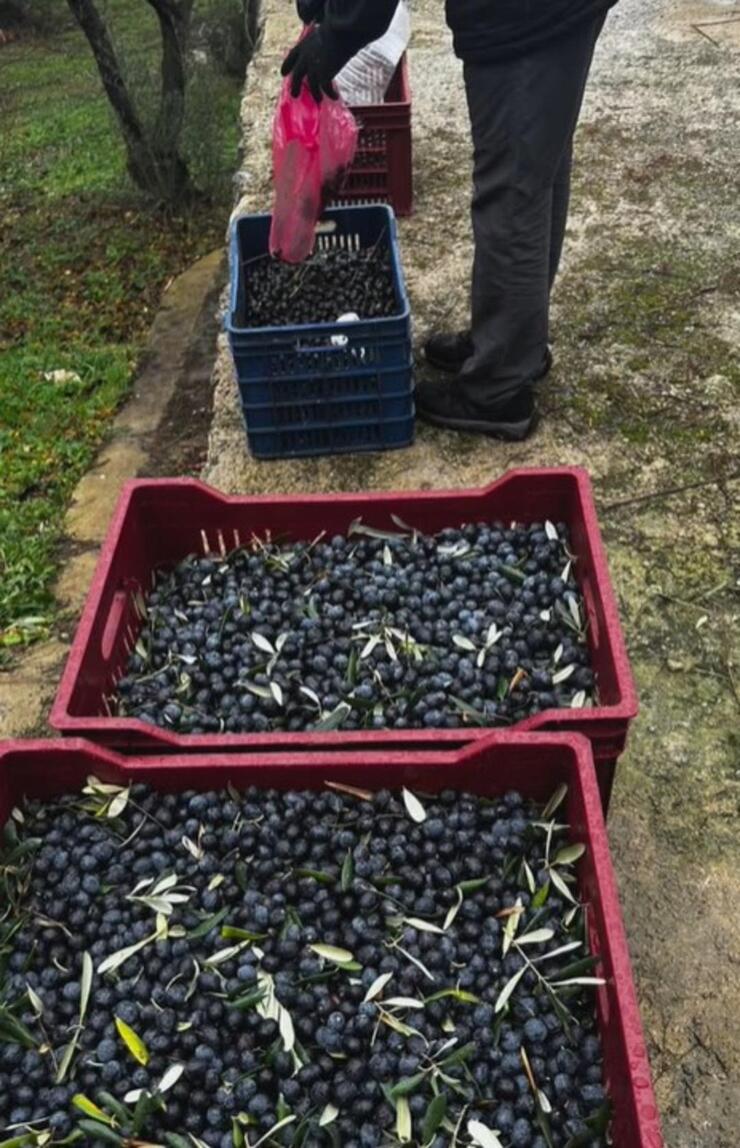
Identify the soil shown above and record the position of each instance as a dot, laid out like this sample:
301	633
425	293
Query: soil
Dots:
646	327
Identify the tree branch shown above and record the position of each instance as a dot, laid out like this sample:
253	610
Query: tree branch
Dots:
92	24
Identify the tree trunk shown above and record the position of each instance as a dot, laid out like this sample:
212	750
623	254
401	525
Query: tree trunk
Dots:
174	23
153	157
252	26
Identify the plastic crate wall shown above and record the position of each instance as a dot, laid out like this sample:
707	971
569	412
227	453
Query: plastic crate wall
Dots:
533	764
159	522
324	388
382	170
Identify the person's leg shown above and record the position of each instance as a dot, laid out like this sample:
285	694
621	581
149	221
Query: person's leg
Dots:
523	115
559	211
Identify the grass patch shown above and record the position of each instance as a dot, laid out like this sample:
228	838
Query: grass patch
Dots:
83	262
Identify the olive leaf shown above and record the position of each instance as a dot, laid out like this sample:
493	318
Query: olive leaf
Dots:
508	989
561	886
433	1118
271	1009
457	994
414	807
36	1002
464	643
86	978
402	1002
170	1078
551	532
483	1136
332	953
335	719
423	926
263	643
205	927
569	854
403	1120
115	960
275	1128
536	937
329	1114
348	872
453	909
540	896
377	986
133	1041
91	1109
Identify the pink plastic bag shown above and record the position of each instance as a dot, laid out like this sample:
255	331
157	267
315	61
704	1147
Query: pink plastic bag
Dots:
312	146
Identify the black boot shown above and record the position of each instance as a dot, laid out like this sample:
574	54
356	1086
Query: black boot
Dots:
445	406
448	351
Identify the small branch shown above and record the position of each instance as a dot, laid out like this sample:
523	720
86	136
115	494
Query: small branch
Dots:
669	492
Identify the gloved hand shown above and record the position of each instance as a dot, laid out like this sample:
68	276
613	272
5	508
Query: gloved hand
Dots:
310	10
309	61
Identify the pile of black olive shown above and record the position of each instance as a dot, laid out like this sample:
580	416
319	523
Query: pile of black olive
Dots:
295	968
327	286
482	625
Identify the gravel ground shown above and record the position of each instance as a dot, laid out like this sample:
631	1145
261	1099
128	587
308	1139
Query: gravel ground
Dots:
644	394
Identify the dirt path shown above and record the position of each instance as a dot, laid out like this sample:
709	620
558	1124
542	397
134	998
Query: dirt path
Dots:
646	327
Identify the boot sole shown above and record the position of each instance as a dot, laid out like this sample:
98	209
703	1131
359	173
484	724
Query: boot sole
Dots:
508	431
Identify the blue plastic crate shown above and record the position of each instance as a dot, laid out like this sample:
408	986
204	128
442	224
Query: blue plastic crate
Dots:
323	388
299	441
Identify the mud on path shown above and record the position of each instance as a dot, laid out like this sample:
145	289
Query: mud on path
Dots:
646	328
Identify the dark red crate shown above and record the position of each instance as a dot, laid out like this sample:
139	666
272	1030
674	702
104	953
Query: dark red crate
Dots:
382	169
159	522
533	764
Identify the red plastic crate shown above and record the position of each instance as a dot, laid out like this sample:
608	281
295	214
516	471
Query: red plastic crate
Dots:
382	168
159	522
533	764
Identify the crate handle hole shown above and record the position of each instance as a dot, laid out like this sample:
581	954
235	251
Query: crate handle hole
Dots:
113	624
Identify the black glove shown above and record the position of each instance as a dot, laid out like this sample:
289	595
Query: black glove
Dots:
310	10
309	61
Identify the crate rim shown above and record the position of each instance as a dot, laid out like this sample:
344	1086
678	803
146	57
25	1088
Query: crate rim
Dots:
576	745
62	721
321	328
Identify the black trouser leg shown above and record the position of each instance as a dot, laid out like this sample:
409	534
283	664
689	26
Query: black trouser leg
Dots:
559	213
523	115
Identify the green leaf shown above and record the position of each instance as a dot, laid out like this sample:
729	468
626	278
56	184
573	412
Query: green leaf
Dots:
240	876
100	1131
14	1031
473	885
458	1055
458	995
423	926
433	1118
231	933
540	896
133	1041
407	1085
205	927
114	1106
348	872
91	1109
333	720
174	1140
561	886
508	989
403	1120
377	986
315	875
249	1000
332	953
536	937
569	854
555	801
